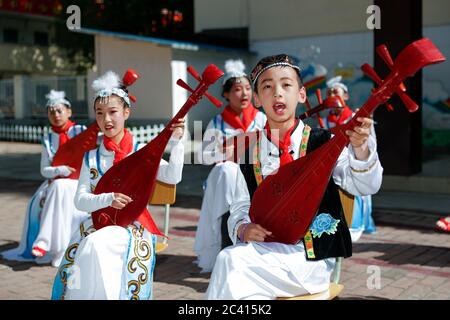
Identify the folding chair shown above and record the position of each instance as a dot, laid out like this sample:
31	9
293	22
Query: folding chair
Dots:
347	201
164	194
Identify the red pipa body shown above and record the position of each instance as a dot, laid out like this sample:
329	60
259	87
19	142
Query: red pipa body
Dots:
135	175
71	153
286	203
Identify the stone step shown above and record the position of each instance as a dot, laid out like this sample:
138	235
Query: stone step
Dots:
417	183
419	202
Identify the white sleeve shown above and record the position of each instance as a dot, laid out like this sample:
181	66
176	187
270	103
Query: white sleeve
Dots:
49	172
87	201
211	152
171	172
239	207
358	177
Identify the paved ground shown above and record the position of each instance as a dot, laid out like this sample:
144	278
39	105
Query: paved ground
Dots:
412	260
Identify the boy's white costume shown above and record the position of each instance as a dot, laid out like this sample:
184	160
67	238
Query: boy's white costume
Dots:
261	270
219	187
51	215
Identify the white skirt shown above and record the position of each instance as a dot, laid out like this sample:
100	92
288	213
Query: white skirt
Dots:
30	229
220	186
113	263
59	219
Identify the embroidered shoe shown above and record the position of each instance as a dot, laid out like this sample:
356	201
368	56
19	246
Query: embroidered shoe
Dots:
38	252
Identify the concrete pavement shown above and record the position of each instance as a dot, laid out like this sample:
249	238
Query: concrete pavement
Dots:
405	259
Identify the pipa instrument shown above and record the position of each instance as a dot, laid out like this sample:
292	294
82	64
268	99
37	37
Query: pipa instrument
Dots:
286	203
135	176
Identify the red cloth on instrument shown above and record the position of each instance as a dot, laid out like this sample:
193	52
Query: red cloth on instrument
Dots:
62	131
148	223
233	119
343	117
285	156
123	149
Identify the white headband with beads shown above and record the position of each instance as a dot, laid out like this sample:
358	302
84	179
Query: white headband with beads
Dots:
56	97
234	69
275	64
109	84
336	82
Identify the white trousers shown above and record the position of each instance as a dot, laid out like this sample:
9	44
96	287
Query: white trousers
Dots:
260	270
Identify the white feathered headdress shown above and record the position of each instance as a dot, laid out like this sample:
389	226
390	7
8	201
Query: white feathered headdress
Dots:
336	82
56	97
234	69
109	84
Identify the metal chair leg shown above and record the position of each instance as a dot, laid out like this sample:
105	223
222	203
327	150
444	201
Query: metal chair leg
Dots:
337	271
166	221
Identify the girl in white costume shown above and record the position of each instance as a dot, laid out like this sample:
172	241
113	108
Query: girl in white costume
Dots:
51	214
362	220
238	117
113	262
254	269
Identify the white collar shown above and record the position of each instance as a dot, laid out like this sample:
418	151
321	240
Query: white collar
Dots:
269	152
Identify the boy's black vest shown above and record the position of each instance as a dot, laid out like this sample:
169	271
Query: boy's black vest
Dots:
326	246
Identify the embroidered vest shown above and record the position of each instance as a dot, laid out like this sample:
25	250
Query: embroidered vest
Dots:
334	240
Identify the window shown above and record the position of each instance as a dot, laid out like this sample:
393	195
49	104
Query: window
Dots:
10	36
40	38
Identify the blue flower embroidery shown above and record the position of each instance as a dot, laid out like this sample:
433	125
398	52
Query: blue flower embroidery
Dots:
323	223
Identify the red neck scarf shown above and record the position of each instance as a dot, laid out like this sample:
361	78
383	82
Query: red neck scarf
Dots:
283	146
62	131
343	117
233	119
123	149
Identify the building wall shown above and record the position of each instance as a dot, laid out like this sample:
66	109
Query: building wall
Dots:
436	91
205	110
269	20
152	62
28	56
32	60
293	19
435	12
339	54
24	57
343	54
335	35
213	14
26	26
154	89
